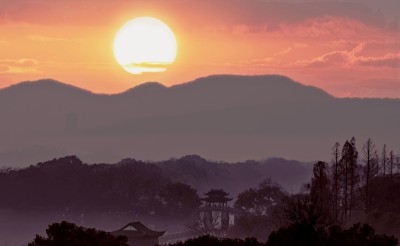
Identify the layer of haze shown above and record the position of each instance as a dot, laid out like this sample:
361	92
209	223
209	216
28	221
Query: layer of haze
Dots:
348	48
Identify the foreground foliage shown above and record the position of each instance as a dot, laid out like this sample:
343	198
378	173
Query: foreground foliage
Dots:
303	235
67	234
214	241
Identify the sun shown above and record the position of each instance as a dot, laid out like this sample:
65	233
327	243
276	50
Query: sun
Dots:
145	44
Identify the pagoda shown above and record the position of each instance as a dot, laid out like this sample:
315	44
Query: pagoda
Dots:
216	214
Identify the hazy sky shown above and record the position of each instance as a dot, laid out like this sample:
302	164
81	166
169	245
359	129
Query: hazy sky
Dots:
348	48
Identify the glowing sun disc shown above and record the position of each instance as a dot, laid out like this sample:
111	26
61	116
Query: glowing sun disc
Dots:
145	44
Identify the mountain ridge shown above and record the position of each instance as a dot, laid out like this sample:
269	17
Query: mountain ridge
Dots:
221	117
42	84
153	86
53	84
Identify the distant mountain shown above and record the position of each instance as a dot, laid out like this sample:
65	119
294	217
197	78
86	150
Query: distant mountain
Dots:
224	117
72	184
235	177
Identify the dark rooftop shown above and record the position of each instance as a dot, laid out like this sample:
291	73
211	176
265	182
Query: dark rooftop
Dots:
137	230
216	195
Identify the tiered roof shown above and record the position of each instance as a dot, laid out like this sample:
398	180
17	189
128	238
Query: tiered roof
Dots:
216	195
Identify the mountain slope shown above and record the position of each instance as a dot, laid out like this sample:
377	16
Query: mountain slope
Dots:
224	117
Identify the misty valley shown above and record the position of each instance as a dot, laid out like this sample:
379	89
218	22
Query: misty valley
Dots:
351	200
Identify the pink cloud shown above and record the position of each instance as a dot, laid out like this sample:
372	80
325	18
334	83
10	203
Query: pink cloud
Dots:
353	57
333	27
389	60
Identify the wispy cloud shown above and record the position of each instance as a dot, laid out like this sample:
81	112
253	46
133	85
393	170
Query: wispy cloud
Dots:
352	57
20	66
43	38
389	60
284	52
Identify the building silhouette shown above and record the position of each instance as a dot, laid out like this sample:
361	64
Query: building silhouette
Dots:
216	214
139	235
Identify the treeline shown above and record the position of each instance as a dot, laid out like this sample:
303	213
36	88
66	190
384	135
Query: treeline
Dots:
157	188
69	185
357	184
67	234
357	235
354	188
64	233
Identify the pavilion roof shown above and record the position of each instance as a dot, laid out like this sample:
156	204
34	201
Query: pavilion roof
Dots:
217	199
137	230
216	193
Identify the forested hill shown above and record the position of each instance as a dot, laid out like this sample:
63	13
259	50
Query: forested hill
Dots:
67	183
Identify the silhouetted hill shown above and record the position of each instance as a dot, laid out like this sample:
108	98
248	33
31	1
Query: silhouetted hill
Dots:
224	117
252	88
234	177
146	88
68	184
45	87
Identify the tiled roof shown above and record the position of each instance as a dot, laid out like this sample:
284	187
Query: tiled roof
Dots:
137	230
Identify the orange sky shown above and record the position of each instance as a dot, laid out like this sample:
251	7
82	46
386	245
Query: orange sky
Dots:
348	48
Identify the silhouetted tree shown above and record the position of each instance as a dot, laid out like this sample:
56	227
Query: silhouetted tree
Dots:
297	235
353	168
391	165
398	164
384	159
307	226
67	234
180	199
300	210
305	223
357	235
260	201
320	187
258	210
335	177
349	167
215	241
370	160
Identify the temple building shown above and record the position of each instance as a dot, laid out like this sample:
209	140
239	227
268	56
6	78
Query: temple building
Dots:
139	235
216	213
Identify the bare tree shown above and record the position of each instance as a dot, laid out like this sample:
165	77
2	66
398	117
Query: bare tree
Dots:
384	159
301	210
348	169
391	164
398	164
335	176
370	157
353	168
344	163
